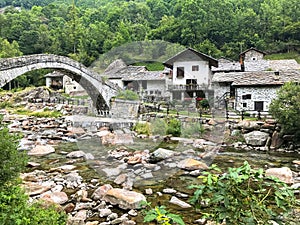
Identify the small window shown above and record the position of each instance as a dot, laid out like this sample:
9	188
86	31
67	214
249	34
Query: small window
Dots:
254	58
74	87
248	96
180	72
195	68
244	105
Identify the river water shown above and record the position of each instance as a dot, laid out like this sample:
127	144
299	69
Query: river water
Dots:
165	174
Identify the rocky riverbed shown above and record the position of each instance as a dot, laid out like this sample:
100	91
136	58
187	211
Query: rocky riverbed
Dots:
99	174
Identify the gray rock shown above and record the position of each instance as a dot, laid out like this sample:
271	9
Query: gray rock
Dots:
76	154
176	201
256	138
160	154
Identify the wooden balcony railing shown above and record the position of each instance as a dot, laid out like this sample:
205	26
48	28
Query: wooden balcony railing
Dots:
187	87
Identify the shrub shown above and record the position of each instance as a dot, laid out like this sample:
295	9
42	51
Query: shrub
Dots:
192	130
14	205
243	196
128	95
161	215
142	128
158	127
12	161
174	127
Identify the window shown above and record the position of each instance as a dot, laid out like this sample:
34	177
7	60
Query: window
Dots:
195	68
74	87
144	84
248	96
180	72
259	106
254	58
244	105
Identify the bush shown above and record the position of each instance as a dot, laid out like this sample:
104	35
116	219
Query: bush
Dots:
243	196
12	161
128	95
159	127
14	205
161	215
192	130
285	108
174	127
142	128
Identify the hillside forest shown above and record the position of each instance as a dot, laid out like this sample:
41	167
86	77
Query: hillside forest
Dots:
85	29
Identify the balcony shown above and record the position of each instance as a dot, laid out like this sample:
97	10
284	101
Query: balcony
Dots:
187	87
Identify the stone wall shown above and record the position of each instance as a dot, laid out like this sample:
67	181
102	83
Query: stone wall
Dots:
124	109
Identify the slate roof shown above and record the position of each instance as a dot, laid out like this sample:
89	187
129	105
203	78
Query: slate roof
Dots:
169	63
257	78
54	74
252	49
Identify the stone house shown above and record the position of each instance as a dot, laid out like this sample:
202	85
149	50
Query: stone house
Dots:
137	78
253	89
190	75
59	81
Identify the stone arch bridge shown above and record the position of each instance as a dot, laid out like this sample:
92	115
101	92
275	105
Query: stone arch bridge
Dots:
100	90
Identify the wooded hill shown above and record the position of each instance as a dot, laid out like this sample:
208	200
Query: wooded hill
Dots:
85	29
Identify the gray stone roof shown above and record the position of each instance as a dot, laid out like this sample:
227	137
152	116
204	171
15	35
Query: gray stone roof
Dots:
275	65
257	78
124	71
55	74
190	53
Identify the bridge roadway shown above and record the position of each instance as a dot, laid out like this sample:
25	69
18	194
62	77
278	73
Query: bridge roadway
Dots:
100	90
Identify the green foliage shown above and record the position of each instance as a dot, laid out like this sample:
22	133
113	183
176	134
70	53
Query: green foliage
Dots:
243	196
12	161
6	104
14	205
47	113
285	108
192	130
158	127
142	128
174	127
160	215
15	209
128	95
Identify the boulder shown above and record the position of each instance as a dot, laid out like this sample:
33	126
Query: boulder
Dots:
277	141
284	174
41	150
33	189
160	154
100	192
76	154
125	199
192	164
56	197
256	138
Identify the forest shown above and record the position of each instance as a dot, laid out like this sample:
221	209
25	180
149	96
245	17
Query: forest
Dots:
85	29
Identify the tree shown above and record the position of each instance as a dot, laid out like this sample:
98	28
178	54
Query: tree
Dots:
286	107
14	205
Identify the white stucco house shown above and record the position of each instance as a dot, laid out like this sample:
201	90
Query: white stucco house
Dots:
190	75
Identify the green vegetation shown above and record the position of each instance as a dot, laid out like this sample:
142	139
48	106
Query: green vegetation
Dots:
128	95
14	205
174	127
288	55
160	215
158	127
243	196
192	130
142	128
151	66
45	113
285	108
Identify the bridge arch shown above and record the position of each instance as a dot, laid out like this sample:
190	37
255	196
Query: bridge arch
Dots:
99	90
